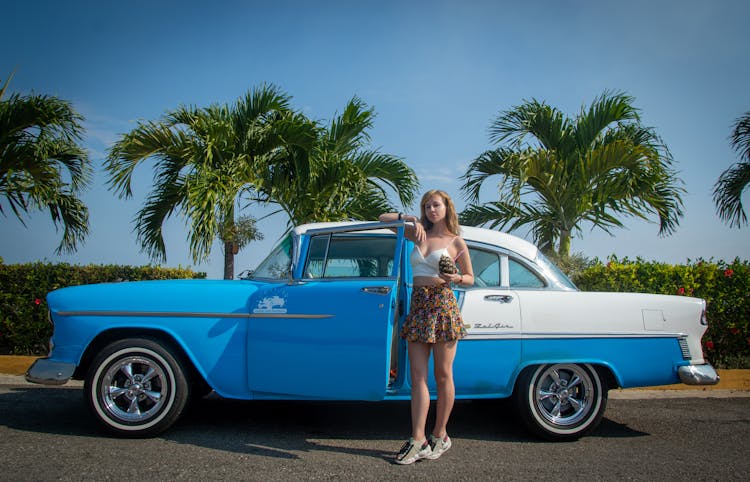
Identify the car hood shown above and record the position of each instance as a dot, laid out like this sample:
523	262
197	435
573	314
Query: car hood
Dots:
169	296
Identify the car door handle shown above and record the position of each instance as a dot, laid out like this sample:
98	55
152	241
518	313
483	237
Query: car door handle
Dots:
377	290
499	298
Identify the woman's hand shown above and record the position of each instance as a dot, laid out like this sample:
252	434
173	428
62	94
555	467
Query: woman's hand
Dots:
455	278
419	233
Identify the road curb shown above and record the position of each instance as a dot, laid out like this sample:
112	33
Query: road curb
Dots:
15	365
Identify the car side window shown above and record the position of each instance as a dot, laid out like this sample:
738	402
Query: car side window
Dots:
278	262
486	267
347	256
522	277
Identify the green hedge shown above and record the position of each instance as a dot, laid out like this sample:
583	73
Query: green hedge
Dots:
724	286
24	328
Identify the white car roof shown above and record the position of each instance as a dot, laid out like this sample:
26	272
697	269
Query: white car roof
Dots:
504	240
469	233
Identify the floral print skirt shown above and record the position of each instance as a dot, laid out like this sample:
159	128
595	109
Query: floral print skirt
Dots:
434	316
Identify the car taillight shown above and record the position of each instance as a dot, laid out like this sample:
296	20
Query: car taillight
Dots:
704	319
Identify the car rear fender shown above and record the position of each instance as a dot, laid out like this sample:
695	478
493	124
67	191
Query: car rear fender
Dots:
606	372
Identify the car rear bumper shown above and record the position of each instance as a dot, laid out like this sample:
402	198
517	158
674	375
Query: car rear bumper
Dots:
49	372
698	375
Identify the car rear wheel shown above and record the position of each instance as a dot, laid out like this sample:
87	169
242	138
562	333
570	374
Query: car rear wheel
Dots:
561	401
137	387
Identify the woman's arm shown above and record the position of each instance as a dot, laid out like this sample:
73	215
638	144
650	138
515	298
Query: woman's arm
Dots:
414	232
464	263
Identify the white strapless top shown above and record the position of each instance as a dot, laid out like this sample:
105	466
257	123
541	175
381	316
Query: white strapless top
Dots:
426	265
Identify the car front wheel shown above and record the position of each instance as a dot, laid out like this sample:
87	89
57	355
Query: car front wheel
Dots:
561	401
136	388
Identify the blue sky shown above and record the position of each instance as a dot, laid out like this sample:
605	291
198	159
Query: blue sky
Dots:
436	72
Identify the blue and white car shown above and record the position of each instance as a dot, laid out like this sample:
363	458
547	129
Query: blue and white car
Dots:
319	320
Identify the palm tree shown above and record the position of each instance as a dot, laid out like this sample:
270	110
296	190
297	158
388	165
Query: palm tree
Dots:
204	160
732	182
557	173
339	178
42	164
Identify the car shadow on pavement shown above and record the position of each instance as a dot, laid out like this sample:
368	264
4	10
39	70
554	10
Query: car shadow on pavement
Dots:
283	429
47	410
279	429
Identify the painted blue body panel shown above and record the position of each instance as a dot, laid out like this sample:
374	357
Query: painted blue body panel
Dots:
344	355
485	368
214	344
489	368
635	362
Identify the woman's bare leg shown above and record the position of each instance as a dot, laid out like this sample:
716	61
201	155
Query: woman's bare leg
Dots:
419	357
445	353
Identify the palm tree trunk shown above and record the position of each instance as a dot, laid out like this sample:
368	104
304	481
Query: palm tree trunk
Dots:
564	249
228	260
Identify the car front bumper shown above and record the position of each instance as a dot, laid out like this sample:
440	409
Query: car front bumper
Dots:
49	372
698	375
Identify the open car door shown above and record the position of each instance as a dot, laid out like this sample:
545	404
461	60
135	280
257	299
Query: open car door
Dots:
326	333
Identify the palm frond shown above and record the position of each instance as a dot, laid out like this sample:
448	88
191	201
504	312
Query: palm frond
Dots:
488	164
392	171
728	194
535	119
740	139
347	132
42	165
6	83
733	181
73	214
148	140
607	109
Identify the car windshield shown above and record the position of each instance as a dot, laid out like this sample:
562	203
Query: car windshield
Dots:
554	272
278	263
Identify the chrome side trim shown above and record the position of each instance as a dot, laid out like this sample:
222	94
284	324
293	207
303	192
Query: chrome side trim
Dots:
516	335
174	314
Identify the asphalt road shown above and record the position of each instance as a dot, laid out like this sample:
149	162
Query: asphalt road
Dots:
47	434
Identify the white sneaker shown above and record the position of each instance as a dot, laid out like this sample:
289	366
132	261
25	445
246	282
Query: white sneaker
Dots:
438	446
411	451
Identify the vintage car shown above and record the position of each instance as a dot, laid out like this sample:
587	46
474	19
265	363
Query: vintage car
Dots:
319	319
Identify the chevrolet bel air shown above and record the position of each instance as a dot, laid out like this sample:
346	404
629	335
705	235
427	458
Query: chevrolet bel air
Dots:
318	319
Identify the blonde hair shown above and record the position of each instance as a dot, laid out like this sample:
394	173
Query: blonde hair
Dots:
451	218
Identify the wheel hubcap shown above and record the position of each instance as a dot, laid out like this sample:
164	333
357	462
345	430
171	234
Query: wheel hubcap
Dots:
134	389
564	394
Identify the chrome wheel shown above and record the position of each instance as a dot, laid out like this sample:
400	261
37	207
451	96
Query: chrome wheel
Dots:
137	388
561	401
564	394
134	389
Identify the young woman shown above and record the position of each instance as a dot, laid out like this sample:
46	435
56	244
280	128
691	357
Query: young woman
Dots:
434	321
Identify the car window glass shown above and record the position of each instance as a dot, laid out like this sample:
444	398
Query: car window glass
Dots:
346	256
486	267
315	257
278	263
522	277
555	272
